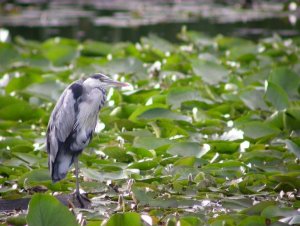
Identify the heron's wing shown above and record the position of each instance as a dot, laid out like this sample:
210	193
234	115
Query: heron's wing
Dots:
86	119
63	118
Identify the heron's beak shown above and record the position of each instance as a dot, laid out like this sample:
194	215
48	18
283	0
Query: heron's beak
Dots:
117	84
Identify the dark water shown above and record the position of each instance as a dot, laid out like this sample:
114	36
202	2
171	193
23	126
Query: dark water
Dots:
108	24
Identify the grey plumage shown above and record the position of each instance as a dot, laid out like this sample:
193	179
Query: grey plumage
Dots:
73	121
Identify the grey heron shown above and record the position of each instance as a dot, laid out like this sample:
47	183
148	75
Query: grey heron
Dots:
72	124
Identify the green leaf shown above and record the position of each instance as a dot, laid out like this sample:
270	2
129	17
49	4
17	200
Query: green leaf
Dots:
48	90
229	42
292	147
236	204
228	220
157	43
19	83
140	153
48	211
277	96
287	79
195	37
224	146
253	99
253	221
93	223
185	161
161	113
16	109
292	118
188	149
190	221
13	142
291	179
210	72
129	65
117	153
143	164
18	220
103	176
35	177
60	51
95	48
177	96
258	208
8	54
257	130
125	219
276	211
150	142
141	109
141	96
153	113
29	158
245	52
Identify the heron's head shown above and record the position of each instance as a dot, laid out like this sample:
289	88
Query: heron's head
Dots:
103	81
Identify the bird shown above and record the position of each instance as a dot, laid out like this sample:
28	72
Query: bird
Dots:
72	123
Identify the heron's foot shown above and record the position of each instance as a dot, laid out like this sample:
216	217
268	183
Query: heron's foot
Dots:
83	201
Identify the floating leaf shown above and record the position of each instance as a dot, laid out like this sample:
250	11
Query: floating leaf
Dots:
150	142
103	176
288	80
60	51
47	90
143	164
158	43
277	96
257	129
129	65
210	72
15	109
293	147
276	211
153	113
238	203
35	177
19	83
253	99
48	211
258	208
190	220
161	113
8	54
291	118
224	146
20	219
245	52
125	219
185	161
179	95
117	153
95	48
253	221
188	149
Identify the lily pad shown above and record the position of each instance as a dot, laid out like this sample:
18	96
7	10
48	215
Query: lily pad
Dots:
47	210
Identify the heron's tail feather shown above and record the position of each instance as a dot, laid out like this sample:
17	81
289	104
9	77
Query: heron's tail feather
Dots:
60	166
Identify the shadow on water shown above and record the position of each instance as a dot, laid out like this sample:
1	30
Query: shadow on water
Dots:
120	22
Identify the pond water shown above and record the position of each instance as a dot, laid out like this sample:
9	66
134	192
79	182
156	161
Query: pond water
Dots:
119	20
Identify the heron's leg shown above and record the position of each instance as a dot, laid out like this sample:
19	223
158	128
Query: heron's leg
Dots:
76	175
79	197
